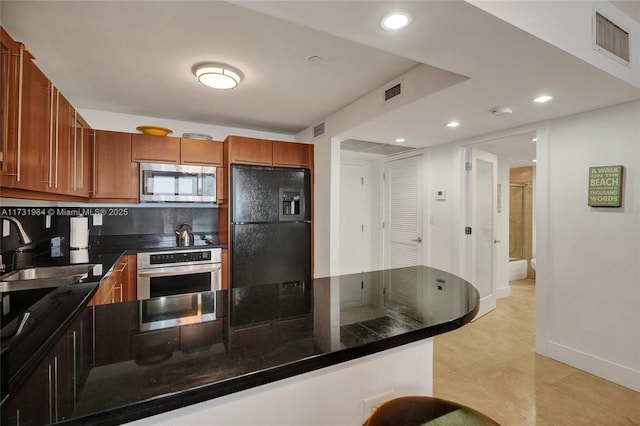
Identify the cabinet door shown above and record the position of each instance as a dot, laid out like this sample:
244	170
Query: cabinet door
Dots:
81	156
30	406
115	176
288	154
11	58
130	279
201	152
59	152
114	325
250	151
155	149
32	170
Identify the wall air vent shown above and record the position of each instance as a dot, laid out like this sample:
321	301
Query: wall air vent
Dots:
318	130
392	92
375	148
610	39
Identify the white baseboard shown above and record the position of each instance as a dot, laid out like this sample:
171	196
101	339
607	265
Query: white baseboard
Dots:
616	373
503	292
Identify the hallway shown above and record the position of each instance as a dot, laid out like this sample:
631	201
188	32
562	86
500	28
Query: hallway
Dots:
490	365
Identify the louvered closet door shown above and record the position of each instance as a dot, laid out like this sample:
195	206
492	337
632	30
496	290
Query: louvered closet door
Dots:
403	227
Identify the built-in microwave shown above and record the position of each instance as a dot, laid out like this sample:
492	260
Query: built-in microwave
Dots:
177	183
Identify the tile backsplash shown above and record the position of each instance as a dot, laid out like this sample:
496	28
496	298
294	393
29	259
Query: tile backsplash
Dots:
42	224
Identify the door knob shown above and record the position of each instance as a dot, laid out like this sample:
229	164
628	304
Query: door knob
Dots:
496	241
418	240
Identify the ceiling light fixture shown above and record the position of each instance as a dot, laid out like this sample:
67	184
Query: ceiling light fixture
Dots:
218	76
400	140
542	99
453	124
395	21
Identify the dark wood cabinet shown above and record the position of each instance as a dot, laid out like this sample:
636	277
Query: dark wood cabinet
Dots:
155	149
115	324
50	394
115	176
200	152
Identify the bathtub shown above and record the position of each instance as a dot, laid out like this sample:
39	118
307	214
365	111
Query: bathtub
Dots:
517	269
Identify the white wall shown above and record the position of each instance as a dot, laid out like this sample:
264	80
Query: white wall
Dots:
590	271
104	120
568	25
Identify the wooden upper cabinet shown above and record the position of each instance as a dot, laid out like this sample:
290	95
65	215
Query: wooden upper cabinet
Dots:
288	154
59	158
250	151
81	157
155	149
11	57
115	176
200	152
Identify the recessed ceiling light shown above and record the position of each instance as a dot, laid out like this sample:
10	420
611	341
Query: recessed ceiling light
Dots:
534	140
453	124
534	160
542	99
315	58
217	76
395	21
400	140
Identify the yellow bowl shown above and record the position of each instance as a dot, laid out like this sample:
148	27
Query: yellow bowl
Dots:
154	130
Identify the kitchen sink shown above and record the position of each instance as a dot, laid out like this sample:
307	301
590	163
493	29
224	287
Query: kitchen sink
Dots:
43	277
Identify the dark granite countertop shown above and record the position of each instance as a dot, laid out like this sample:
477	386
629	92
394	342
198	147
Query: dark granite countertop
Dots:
206	345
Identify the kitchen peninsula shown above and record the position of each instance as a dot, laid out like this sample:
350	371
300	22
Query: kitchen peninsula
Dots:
188	357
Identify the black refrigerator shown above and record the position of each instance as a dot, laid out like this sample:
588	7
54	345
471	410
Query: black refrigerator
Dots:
270	243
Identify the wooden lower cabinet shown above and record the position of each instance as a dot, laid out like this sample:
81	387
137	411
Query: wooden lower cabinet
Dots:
121	285
115	176
49	395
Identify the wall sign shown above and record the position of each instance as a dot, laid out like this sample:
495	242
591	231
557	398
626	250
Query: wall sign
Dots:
605	186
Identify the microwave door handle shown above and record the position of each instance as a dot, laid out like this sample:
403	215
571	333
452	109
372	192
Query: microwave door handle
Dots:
166	272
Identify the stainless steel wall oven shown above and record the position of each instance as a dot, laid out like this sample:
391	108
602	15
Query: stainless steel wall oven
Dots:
174	272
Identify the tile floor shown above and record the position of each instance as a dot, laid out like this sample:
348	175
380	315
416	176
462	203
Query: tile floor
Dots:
490	365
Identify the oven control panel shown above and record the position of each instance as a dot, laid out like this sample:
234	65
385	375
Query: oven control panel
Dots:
179	257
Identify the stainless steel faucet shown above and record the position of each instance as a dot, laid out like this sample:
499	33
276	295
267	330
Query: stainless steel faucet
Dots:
23	234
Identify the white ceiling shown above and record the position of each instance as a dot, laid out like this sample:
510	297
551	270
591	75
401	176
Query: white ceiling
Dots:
135	57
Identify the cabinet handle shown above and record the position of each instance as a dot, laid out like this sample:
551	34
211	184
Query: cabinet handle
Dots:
50	393
19	135
123	267
50	137
57	137
75	368
55	385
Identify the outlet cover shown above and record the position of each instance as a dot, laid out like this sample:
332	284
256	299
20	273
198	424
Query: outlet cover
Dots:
371	404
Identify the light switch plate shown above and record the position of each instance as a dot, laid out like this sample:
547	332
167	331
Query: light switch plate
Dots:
97	219
6	228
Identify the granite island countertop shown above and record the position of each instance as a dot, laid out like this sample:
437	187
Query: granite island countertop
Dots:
254	336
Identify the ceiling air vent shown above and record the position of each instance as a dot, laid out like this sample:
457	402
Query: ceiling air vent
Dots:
318	130
611	39
375	148
392	92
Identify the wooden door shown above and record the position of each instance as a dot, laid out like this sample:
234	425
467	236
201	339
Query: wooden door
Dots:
115	176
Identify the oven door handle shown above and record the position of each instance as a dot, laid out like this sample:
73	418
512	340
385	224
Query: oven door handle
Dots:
179	270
